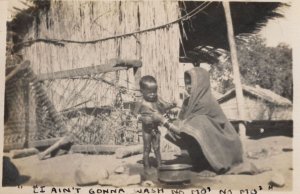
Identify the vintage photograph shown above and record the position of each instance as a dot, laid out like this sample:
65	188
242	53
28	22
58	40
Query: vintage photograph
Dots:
149	94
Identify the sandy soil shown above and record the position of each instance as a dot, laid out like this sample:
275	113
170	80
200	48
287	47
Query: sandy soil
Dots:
274	153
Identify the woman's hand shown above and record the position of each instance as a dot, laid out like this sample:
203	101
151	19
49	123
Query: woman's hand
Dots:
173	113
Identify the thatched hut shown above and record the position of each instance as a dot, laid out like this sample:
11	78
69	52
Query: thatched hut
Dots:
260	103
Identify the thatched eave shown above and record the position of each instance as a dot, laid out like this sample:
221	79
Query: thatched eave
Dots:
209	26
20	24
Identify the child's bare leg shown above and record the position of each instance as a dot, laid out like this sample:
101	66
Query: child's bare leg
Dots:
147	149
156	147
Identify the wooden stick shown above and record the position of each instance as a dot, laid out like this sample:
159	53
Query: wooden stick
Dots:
24	152
26	89
129	151
112	65
63	141
236	70
12	146
235	64
18	68
43	143
95	149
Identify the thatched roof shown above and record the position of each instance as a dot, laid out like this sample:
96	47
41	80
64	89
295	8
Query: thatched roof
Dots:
22	18
209	26
21	21
260	93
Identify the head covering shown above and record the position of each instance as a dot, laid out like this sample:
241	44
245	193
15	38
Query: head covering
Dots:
201	100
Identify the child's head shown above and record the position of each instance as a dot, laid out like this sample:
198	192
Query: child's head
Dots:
148	86
188	82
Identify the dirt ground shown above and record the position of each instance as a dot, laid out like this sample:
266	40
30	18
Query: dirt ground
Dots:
272	153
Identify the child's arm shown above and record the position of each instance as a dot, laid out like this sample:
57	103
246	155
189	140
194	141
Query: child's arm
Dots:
137	107
136	110
167	105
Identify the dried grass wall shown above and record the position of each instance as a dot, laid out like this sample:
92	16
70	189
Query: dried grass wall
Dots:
85	21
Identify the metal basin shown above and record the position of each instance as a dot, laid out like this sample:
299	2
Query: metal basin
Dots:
175	173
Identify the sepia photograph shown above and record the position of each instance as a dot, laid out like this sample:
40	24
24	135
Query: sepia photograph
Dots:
150	96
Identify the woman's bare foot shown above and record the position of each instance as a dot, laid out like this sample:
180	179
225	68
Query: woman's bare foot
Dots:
207	173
